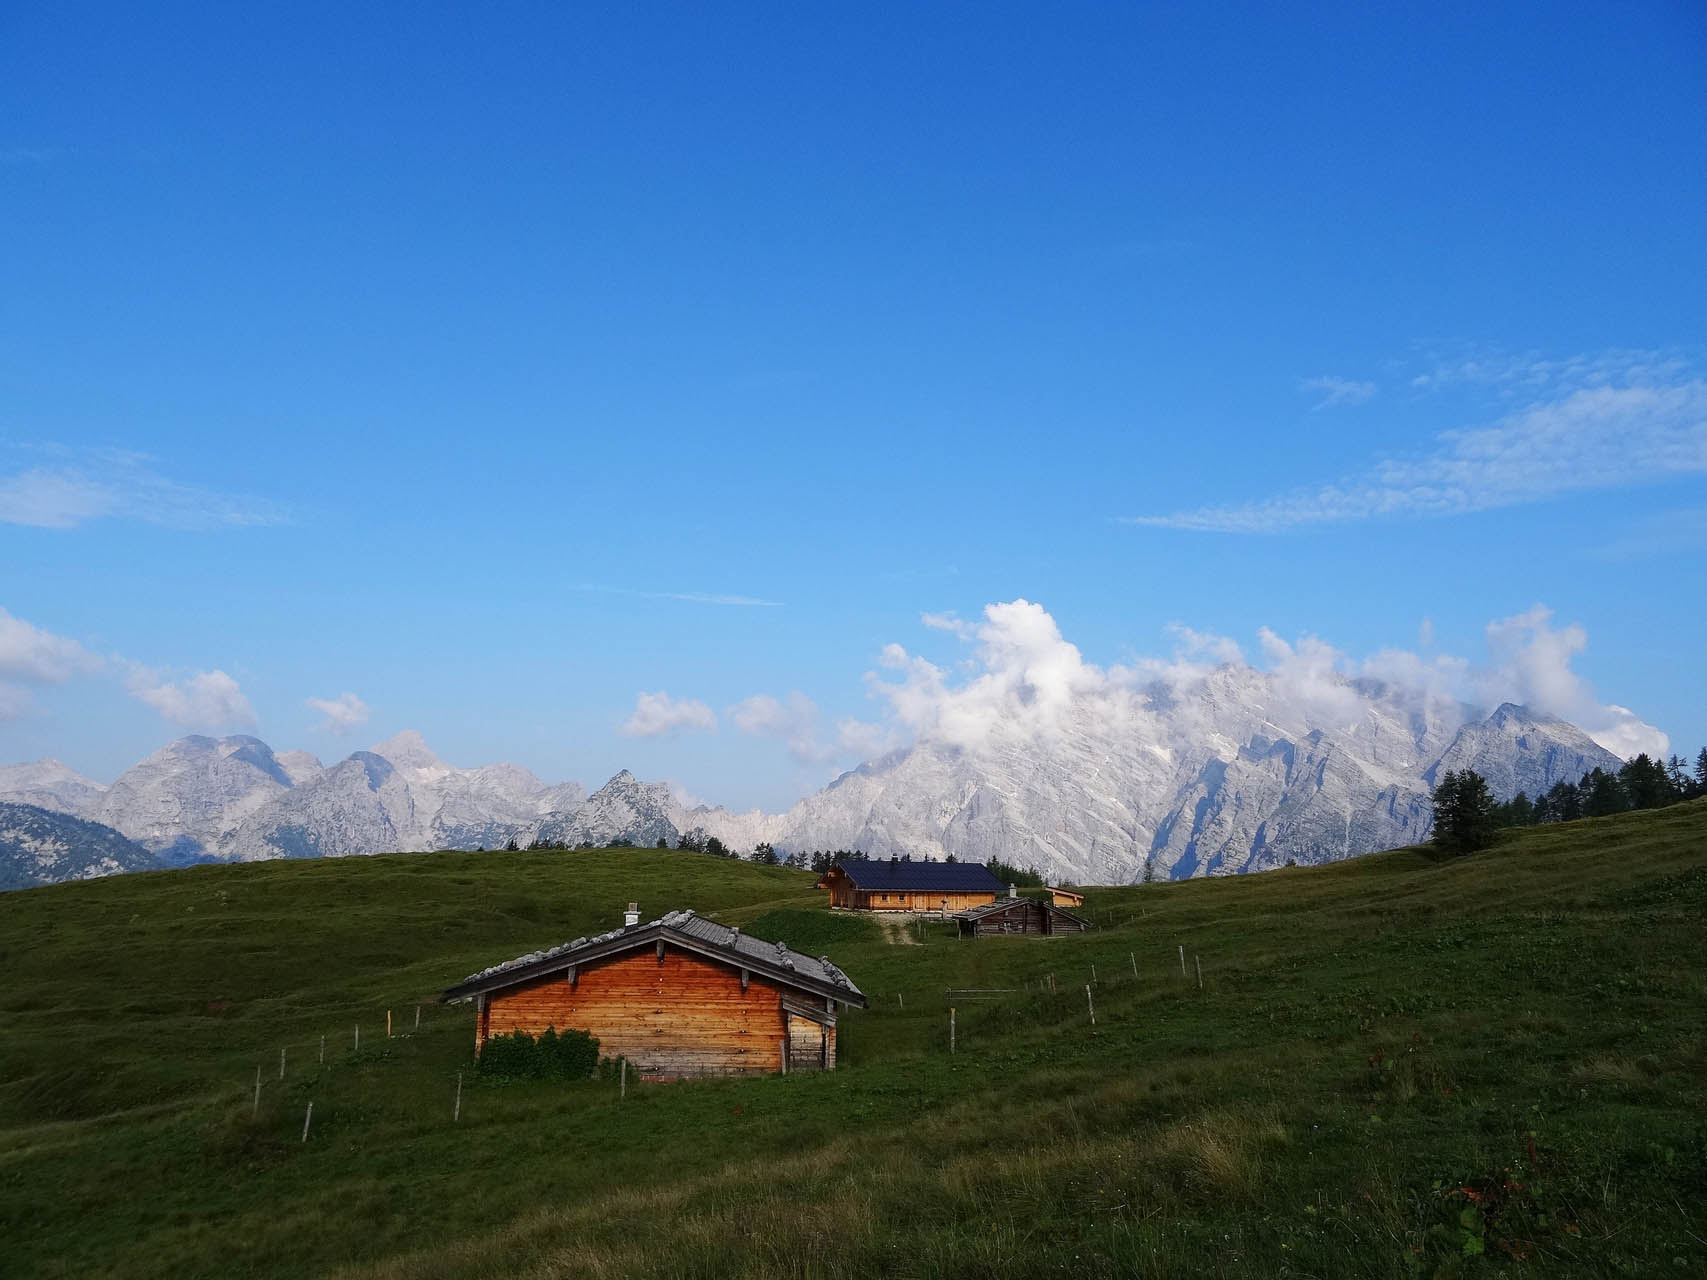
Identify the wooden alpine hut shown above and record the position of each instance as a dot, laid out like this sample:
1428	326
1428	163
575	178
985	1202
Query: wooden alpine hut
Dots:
1031	917
898	884
677	997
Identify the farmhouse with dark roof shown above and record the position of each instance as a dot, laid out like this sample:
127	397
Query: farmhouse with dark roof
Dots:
677	997
864	884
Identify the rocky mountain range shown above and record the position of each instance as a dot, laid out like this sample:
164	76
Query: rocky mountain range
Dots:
40	846
1229	770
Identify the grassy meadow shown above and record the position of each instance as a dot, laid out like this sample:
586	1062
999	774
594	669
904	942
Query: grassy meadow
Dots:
1396	1066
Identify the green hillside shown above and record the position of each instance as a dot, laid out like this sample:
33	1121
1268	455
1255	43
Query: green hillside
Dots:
1395	1066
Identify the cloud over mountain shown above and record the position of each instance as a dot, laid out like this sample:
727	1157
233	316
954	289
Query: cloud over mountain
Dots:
205	700
659	715
342	714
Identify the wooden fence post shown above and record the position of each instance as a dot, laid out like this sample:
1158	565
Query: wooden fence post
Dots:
417	1017
322	1050
1093	974
899	1000
305	1121
358	1037
623	1087
951	1030
1199	960
1090	1006
281	1063
783	1045
388	1024
257	1108
1182	972
456	1115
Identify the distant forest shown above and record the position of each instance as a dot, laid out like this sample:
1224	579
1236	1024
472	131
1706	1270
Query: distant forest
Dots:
1642	783
819	860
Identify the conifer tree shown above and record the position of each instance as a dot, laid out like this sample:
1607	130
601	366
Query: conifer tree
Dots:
1603	795
1464	818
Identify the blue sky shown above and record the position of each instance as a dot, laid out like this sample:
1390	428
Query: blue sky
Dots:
498	366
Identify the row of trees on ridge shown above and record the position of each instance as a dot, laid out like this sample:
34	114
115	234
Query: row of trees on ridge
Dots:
1466	816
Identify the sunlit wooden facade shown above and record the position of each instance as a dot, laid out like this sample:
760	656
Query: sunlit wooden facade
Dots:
898	884
680	997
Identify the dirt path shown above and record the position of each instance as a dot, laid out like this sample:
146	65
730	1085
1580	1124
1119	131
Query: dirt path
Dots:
897	932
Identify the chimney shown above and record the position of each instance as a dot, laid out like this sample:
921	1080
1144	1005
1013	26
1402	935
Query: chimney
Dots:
631	917
1012	892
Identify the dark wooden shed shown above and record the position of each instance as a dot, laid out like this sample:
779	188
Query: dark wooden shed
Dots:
1028	917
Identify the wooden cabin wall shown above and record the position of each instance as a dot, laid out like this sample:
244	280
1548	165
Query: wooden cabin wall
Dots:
808	1044
682	1016
919	900
1024	917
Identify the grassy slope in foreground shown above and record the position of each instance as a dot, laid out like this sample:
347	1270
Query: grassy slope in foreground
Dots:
1396	1066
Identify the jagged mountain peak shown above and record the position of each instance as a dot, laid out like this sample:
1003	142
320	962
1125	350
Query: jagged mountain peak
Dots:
299	765
408	750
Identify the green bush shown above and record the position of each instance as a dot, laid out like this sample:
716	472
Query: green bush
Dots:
573	1055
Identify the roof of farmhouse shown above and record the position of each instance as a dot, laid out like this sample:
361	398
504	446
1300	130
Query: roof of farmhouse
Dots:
921	877
685	929
1008	904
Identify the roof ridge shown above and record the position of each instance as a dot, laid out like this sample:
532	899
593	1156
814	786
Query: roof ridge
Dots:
780	953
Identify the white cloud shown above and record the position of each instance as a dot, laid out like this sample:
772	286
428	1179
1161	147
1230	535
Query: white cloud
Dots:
658	715
1026	679
951	623
794	722
1027	682
30	655
1519	374
1593	428
865	740
110	484
1331	391
206	700
691	597
343	713
27	652
797	723
1532	666
1308	675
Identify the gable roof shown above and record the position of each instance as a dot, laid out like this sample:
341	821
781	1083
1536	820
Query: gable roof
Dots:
1004	904
925	877
722	942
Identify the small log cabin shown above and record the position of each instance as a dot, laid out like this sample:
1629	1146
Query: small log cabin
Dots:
679	997
1031	917
874	884
1065	897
